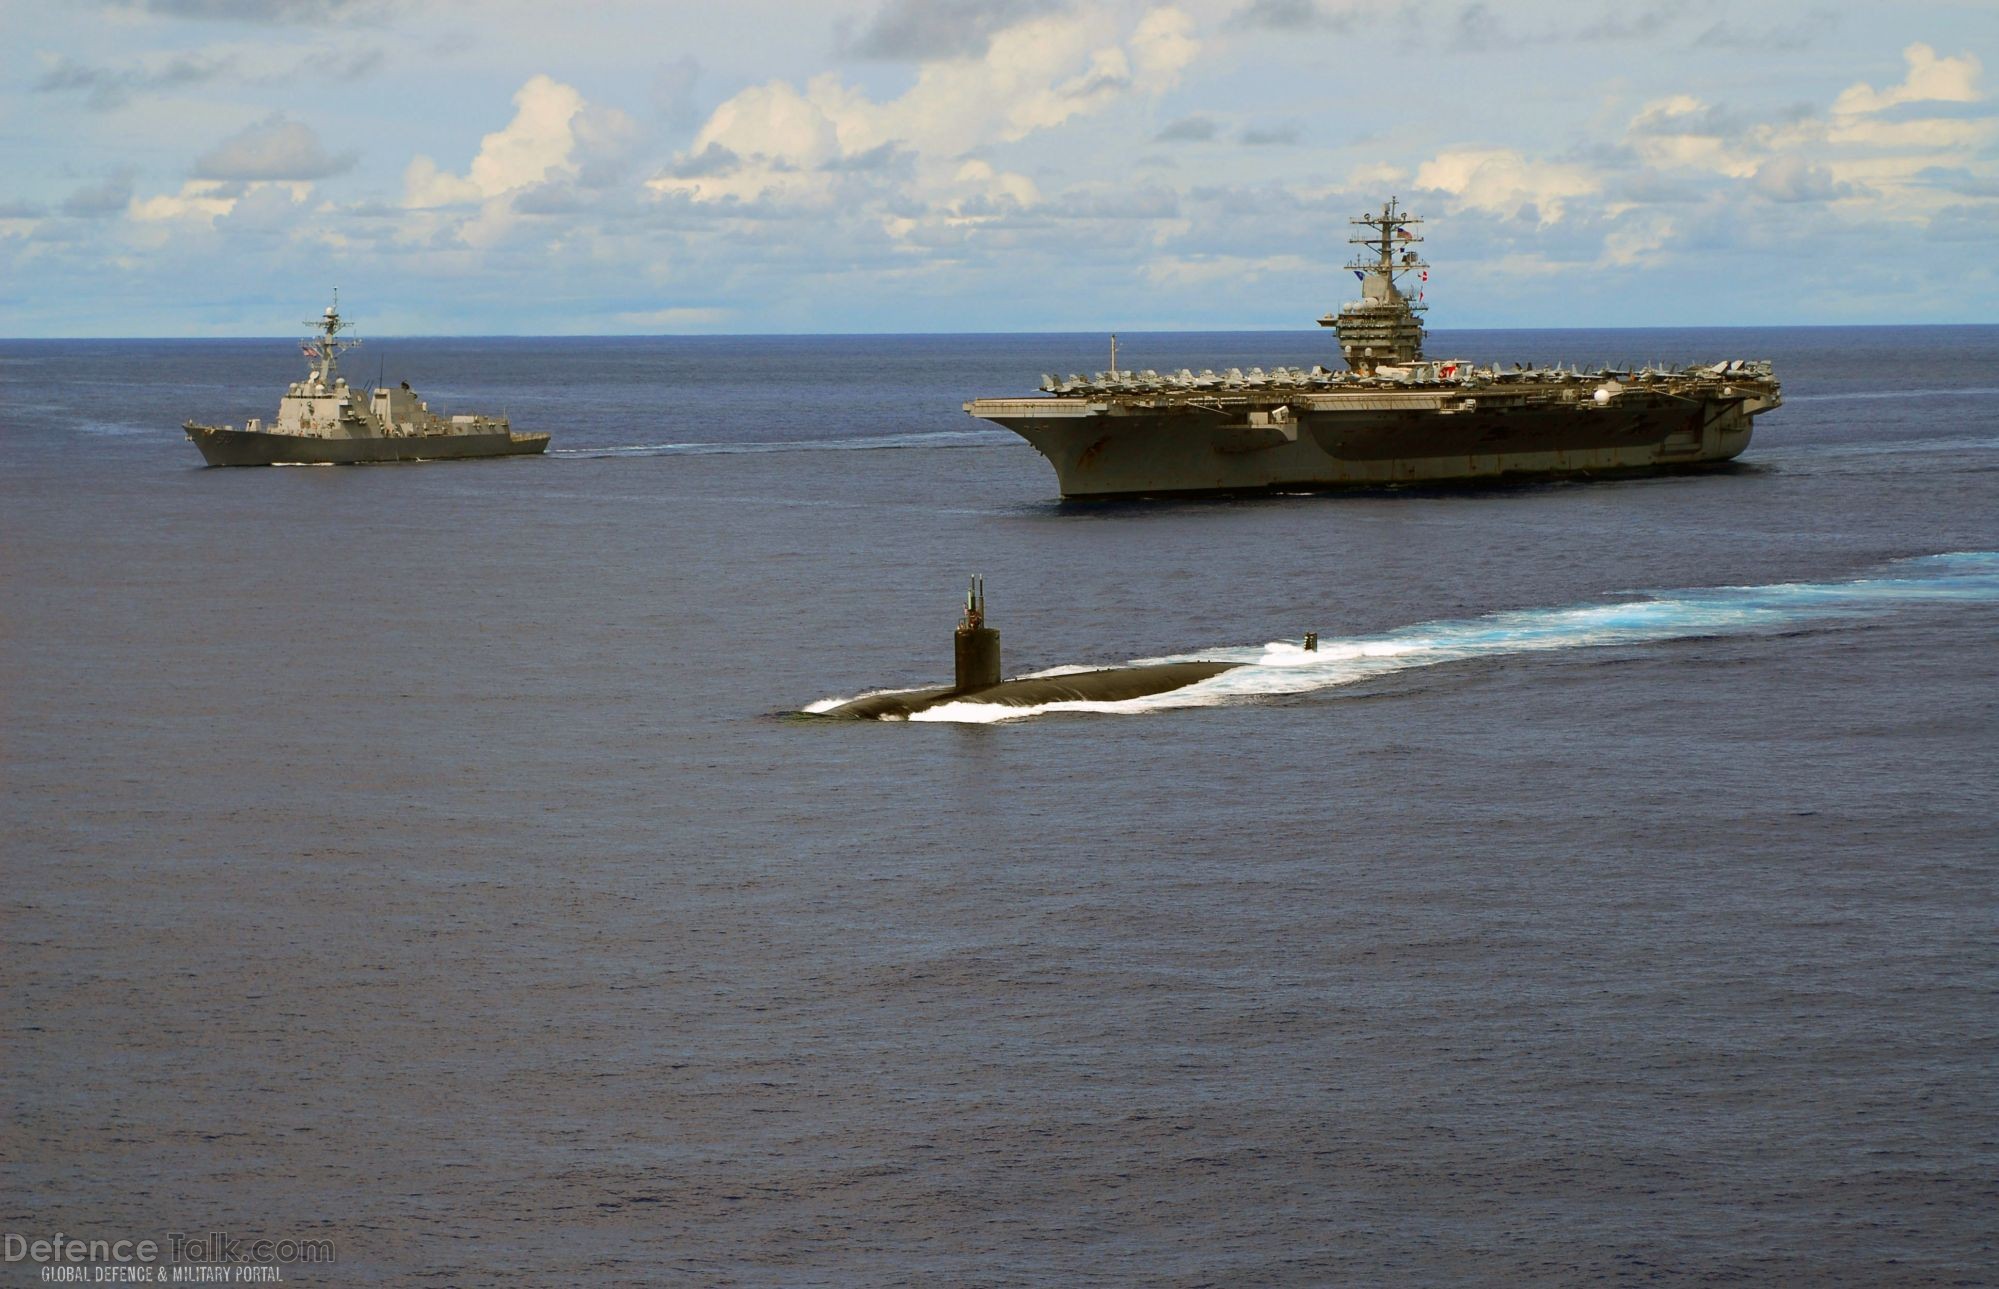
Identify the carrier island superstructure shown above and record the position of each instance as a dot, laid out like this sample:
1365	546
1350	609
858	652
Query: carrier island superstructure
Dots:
1393	417
321	420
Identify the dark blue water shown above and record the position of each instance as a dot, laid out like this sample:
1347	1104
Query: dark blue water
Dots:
421	855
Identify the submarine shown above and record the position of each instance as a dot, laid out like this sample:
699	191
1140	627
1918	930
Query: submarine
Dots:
976	651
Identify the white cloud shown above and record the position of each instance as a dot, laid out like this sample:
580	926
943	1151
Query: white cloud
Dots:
1502	181
775	121
1033	76
1637	242
553	134
1858	113
1681	131
1164	45
1927	134
425	186
1866	152
534	143
1672	109
200	200
273	148
1792	178
267	208
1930	80
978	179
1376	174
990	162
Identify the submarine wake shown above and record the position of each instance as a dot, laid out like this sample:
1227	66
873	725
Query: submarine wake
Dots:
1282	669
870	443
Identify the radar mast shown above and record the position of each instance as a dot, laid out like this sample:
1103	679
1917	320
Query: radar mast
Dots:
323	347
1382	326
1379	272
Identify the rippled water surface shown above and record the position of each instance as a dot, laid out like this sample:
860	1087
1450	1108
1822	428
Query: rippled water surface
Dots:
427	856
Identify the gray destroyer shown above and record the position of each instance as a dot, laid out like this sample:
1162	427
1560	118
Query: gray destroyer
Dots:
323	421
1393	417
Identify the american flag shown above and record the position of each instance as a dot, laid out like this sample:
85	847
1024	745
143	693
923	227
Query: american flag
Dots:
310	351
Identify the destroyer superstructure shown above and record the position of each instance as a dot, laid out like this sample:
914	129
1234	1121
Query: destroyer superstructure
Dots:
322	421
1393	417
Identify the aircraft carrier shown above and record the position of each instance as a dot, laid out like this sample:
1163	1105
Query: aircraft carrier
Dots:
322	421
1393	417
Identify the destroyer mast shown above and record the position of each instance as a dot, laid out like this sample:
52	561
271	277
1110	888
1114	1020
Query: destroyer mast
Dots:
1382	326
324	345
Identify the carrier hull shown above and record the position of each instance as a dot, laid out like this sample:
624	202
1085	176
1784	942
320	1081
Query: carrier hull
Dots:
1392	418
222	446
1103	449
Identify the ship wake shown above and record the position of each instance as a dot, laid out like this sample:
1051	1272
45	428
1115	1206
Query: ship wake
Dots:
1281	669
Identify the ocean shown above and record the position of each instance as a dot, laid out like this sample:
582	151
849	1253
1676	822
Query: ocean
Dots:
431	858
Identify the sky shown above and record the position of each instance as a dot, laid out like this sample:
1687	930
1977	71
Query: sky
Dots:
599	167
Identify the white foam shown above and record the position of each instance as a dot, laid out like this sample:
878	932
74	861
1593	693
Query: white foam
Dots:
963	713
828	704
1281	668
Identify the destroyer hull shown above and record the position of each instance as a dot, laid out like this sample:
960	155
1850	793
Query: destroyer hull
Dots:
1102	449
221	446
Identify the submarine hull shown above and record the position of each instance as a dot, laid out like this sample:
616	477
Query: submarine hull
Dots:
1109	685
220	447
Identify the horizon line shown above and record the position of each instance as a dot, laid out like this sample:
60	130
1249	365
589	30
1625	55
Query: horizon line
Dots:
1096	331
